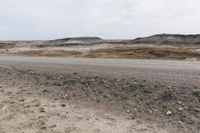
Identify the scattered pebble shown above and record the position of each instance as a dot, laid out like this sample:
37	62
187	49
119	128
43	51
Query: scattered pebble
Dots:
127	111
169	87
180	102
134	83
119	80
63	105
21	100
66	97
27	106
169	112
197	109
42	110
150	111
44	91
43	128
53	126
180	109
32	72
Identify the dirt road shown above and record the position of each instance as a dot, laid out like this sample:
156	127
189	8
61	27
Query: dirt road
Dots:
75	95
185	73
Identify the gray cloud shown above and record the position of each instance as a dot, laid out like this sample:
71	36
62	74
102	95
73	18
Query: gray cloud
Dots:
49	19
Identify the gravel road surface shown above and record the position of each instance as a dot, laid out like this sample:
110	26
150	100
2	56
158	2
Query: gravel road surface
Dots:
184	73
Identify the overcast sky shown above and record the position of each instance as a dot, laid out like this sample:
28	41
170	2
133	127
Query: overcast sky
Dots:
50	19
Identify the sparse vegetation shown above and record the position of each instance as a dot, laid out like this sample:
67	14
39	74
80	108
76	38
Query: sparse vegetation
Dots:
48	53
122	52
146	89
146	52
196	92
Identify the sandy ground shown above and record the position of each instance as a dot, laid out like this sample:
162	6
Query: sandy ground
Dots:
67	95
25	111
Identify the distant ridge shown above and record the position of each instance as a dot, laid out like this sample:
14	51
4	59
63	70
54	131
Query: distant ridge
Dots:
160	39
87	40
169	39
72	41
80	38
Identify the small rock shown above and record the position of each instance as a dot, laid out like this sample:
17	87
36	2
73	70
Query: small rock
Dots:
78	77
132	117
107	96
150	111
127	111
21	100
42	110
180	109
135	83
44	91
75	73
66	97
27	106
169	87
63	105
59	77
180	102
12	102
32	72
53	126
97	100
43	128
118	80
169	112
107	85
197	109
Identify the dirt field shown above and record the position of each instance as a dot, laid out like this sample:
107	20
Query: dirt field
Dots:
31	104
29	111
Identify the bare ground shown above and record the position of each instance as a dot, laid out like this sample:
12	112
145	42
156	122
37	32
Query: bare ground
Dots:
29	106
33	101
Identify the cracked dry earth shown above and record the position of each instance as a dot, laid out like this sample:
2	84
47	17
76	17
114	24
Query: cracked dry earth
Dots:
33	102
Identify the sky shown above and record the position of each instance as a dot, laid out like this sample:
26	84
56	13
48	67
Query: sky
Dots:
109	19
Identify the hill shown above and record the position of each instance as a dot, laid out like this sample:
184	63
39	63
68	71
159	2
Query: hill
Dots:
169	39
71	41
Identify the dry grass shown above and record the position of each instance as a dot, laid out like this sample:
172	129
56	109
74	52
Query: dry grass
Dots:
48	53
6	45
146	53
129	52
